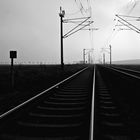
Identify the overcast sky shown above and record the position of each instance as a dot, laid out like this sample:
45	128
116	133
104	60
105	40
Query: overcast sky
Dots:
32	27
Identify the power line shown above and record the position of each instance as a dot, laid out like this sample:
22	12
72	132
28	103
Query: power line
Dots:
74	13
81	7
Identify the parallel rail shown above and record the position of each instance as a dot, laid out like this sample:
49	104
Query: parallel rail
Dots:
117	106
92	108
126	71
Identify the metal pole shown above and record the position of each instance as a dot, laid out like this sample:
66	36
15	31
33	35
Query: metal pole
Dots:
103	58
110	54
92	55
84	55
61	14
89	57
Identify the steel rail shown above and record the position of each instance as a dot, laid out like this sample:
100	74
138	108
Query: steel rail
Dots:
92	107
126	73
127	69
36	96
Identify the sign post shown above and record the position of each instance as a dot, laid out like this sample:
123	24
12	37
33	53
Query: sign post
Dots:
13	54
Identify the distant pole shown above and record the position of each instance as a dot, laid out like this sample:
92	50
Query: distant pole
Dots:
92	54
61	14
110	55
103	58
84	55
89	57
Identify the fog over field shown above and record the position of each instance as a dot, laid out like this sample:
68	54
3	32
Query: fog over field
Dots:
32	27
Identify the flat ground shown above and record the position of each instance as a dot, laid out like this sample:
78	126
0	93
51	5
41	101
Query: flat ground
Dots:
133	67
32	79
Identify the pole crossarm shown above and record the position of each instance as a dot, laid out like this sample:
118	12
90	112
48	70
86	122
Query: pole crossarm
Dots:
78	22
138	31
89	50
122	24
85	52
110	52
76	27
104	50
75	22
91	29
129	25
125	29
72	31
128	16
67	20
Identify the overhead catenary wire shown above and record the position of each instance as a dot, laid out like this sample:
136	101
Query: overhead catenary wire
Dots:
133	3
88	11
78	6
84	11
110	36
74	13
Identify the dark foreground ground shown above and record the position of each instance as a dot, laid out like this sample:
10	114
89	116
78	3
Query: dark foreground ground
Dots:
32	79
117	103
133	67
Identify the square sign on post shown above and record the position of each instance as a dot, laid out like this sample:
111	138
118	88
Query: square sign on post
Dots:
13	54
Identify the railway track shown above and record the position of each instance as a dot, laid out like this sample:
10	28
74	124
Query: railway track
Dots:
62	112
117	104
67	110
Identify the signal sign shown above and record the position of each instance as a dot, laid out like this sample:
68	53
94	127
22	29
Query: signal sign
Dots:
13	54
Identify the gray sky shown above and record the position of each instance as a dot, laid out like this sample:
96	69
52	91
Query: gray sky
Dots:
32	28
